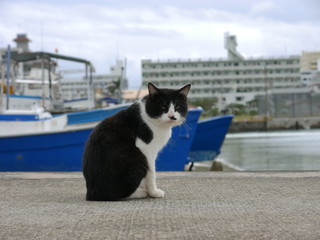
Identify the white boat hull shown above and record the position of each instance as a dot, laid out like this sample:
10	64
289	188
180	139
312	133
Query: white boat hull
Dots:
12	128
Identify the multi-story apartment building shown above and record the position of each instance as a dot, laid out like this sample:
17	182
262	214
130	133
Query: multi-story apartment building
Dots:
232	80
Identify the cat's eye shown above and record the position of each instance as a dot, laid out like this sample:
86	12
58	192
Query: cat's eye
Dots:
163	107
177	107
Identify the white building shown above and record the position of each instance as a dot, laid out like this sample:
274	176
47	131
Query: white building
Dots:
77	88
232	80
310	68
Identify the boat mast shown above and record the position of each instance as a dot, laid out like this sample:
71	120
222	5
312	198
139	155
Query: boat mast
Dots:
42	75
91	88
2	82
122	79
8	76
50	82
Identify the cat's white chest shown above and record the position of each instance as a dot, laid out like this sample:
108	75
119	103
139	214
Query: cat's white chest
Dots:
159	140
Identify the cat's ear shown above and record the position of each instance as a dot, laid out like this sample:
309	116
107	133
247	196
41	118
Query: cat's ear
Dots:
152	89
185	90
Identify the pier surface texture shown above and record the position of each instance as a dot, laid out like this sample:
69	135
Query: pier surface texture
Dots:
212	205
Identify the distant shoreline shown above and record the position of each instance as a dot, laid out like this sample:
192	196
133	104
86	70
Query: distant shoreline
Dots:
275	124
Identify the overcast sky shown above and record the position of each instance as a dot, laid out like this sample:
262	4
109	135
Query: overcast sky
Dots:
102	30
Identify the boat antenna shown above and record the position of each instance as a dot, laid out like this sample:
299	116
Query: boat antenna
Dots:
41	36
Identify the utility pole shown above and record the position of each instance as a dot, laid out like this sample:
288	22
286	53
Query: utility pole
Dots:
266	97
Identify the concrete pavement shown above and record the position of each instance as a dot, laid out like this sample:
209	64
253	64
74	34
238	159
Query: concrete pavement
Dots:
210	205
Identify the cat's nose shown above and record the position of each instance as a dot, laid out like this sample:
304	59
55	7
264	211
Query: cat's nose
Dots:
172	117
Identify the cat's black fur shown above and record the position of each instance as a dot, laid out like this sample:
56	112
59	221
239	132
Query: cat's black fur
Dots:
113	166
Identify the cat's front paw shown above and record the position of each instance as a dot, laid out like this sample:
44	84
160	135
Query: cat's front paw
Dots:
157	193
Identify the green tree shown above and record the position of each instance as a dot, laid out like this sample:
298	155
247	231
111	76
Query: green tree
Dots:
114	87
208	105
236	109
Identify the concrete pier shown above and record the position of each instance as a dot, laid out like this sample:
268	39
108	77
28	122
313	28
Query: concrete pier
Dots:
211	205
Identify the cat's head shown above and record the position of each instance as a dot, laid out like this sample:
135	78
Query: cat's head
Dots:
167	106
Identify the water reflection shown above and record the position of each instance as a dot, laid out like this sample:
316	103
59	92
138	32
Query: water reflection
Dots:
283	150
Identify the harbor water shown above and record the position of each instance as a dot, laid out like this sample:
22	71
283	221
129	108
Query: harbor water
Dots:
272	151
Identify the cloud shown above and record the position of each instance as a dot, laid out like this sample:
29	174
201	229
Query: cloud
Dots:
262	6
102	30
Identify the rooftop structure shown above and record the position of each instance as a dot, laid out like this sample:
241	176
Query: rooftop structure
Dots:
22	42
230	43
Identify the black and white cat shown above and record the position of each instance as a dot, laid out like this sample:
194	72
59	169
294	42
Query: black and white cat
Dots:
120	154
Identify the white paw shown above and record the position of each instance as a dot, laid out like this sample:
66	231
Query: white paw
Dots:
139	193
157	193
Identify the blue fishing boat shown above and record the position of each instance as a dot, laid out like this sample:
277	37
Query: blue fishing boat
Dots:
209	138
46	151
62	150
94	115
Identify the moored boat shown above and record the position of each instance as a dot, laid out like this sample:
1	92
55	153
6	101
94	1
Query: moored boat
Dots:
94	115
174	156
14	122
209	138
62	150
